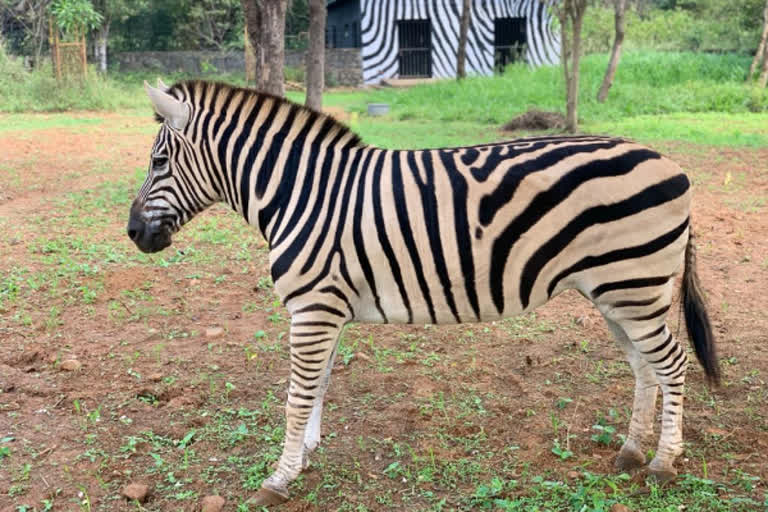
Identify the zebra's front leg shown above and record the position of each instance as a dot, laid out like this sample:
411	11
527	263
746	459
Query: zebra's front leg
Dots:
313	343
313	431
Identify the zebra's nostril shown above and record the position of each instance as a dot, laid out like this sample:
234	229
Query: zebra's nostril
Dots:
135	229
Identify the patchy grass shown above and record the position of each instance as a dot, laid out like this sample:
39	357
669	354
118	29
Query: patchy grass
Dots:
520	414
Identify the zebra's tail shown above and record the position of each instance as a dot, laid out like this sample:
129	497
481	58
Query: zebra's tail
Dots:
696	317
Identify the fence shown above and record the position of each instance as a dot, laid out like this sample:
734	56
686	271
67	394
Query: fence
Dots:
343	66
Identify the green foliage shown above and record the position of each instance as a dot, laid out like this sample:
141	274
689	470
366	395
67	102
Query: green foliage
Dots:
38	90
704	25
598	493
179	25
75	16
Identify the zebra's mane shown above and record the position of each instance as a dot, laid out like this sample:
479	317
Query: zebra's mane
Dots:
188	89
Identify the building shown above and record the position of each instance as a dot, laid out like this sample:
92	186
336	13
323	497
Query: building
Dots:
419	38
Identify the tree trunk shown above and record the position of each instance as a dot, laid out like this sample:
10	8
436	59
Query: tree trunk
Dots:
274	49
101	47
760	53
571	14
250	58
316	54
619	7
40	34
461	56
254	47
764	72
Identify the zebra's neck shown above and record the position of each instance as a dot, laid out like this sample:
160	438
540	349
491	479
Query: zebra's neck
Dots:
274	157
259	150
296	173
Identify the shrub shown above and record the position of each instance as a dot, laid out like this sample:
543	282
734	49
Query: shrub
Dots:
674	30
38	90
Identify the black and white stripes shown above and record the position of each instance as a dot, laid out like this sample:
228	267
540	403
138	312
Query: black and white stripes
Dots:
380	42
359	233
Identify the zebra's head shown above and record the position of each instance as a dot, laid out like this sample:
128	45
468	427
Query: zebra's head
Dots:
174	190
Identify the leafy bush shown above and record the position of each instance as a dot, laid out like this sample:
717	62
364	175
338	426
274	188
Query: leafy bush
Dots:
38	90
717	28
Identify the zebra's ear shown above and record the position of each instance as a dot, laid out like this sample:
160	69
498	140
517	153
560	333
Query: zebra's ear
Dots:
162	86
169	108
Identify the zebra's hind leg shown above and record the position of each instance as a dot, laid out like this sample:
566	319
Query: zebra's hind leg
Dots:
631	455
315	331
657	349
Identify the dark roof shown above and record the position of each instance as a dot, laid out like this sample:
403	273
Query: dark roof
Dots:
330	3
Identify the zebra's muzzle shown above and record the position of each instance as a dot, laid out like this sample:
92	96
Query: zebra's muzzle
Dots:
148	238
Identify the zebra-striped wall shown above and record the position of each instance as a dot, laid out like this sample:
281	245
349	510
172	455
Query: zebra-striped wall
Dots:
380	43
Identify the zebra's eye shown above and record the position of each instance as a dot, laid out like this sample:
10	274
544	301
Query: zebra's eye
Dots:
159	161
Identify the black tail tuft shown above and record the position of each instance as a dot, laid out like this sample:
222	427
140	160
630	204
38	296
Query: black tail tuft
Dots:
696	317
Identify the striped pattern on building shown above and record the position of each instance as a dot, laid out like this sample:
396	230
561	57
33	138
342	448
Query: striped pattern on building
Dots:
380	44
359	233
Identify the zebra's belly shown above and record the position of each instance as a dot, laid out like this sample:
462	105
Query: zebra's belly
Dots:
389	306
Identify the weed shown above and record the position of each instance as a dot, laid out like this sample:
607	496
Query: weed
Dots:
562	452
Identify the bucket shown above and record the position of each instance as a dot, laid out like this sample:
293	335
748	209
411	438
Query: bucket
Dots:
378	109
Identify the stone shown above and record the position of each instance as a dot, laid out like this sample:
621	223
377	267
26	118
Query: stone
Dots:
70	365
213	504
136	492
155	377
574	475
618	507
214	332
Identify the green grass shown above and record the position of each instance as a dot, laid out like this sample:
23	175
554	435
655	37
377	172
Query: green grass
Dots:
38	91
709	128
699	98
646	83
31	122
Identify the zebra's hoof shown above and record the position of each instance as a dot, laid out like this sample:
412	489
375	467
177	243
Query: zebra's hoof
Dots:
268	497
629	460
662	476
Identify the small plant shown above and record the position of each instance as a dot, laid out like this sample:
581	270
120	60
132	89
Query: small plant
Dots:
5	451
228	388
605	434
563	453
346	351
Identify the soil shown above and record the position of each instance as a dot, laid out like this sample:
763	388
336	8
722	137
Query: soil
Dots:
519	370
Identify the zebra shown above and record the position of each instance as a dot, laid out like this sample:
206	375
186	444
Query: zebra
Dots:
438	236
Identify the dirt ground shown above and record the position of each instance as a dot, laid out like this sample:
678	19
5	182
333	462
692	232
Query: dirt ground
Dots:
157	395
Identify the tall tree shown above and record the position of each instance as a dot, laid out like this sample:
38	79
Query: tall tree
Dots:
571	16
32	17
461	55
256	38
111	11
273	20
207	24
619	9
316	54
760	54
764	72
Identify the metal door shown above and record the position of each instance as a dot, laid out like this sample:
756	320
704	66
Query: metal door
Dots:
509	40
415	56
